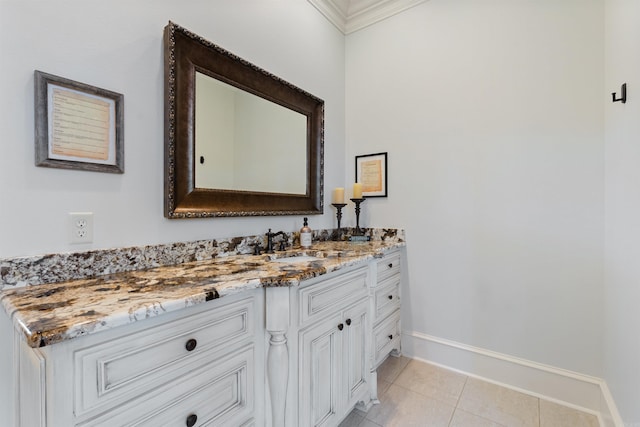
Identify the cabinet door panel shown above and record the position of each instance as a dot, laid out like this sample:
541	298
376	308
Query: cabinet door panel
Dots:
354	344
320	352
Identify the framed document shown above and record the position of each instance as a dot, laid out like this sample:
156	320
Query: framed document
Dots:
371	171
77	126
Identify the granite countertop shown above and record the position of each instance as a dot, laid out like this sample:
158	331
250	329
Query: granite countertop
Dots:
55	312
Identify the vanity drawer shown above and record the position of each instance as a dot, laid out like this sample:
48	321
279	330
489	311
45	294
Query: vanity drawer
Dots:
218	394
114	371
388	266
386	337
386	298
331	295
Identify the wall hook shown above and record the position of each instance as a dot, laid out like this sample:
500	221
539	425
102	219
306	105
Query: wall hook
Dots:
623	96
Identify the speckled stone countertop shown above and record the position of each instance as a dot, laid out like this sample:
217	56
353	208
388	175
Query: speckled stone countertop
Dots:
55	312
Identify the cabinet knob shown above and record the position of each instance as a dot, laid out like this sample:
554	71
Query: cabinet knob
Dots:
390	337
191	420
390	265
340	327
191	345
390	296
348	322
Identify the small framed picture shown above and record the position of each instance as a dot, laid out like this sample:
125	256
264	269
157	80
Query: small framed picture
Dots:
77	126
371	171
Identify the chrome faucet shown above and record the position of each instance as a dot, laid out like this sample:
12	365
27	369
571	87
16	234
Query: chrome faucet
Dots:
270	236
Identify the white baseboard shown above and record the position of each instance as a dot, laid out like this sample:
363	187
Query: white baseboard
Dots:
583	392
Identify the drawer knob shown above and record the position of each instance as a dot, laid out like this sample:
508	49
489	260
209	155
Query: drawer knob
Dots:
390	296
191	420
390	265
390	337
340	327
190	346
348	322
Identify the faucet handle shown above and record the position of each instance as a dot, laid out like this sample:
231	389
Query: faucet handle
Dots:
257	249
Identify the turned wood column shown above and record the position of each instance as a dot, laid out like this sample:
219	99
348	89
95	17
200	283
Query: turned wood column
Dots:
277	325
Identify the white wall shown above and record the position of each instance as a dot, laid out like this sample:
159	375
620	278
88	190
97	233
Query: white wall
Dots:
622	154
492	115
117	45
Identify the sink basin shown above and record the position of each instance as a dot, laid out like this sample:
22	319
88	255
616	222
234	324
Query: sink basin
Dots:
296	259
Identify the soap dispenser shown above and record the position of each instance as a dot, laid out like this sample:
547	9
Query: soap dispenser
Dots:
305	235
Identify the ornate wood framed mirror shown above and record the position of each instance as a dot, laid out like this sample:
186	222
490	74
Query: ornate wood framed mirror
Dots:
239	141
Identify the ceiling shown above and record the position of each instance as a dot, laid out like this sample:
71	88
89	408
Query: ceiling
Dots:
353	15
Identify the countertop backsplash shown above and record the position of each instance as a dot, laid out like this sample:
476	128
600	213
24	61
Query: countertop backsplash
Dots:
60	267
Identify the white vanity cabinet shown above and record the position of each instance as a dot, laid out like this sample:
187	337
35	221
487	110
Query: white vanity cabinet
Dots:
292	356
332	345
203	365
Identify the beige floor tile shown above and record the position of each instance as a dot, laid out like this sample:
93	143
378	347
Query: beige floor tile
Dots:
353	419
367	423
465	419
382	386
391	368
554	415
400	407
432	381
413	393
499	404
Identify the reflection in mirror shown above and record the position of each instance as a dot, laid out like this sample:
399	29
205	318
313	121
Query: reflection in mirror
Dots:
204	177
244	142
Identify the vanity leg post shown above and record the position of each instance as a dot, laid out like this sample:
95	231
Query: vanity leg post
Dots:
278	373
277	325
373	381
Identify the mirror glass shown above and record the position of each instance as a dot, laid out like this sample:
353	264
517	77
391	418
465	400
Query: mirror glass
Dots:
239	141
246	143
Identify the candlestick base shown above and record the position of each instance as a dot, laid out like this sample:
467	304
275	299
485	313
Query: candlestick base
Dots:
338	207
358	231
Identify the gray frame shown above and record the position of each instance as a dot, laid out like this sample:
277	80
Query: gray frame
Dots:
42	81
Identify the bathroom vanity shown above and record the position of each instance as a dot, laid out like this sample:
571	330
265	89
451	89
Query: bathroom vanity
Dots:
240	341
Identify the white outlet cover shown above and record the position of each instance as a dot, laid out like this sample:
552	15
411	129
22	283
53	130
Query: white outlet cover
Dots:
80	227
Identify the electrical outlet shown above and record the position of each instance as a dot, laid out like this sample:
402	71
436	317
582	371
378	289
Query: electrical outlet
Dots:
81	227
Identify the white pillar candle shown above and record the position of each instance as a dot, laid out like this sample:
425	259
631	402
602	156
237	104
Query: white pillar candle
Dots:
357	190
338	195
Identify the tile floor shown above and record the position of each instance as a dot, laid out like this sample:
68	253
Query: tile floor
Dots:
414	393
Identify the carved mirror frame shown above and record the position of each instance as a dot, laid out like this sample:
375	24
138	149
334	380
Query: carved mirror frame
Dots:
184	54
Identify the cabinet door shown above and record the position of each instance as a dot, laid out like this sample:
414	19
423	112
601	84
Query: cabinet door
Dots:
320	360
356	370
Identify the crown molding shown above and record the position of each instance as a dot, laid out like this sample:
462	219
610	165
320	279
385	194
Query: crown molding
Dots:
352	15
